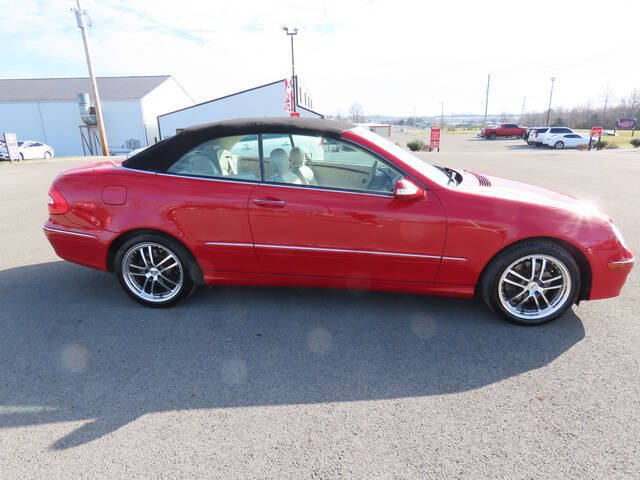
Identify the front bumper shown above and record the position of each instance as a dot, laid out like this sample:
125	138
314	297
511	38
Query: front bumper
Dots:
609	273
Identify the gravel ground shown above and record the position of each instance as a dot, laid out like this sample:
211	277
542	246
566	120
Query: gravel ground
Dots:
305	383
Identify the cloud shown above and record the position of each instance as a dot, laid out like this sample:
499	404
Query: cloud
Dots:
391	57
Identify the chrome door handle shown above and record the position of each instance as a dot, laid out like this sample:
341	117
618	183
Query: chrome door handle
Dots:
265	202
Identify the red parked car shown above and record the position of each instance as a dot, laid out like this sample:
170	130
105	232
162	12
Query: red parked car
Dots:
311	202
503	130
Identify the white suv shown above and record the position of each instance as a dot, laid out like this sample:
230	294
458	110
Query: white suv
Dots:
539	135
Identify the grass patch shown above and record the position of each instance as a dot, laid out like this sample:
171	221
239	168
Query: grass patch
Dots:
622	139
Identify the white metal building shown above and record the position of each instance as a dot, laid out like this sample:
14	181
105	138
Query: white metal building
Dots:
47	110
264	101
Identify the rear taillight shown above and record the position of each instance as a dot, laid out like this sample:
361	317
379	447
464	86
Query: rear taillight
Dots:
57	204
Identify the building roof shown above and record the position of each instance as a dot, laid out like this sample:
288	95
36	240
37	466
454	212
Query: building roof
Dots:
52	89
162	155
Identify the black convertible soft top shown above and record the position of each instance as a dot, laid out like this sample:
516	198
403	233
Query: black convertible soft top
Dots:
159	157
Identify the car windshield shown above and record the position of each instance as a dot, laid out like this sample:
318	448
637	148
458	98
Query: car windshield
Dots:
418	164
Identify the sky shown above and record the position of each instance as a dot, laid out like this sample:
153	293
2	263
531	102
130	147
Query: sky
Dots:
394	57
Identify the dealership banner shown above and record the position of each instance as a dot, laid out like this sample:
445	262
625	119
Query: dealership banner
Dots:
288	95
626	124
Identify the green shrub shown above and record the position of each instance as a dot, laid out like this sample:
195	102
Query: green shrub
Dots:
416	145
601	145
635	142
611	146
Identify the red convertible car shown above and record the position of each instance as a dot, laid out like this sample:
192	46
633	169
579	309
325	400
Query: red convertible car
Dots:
312	202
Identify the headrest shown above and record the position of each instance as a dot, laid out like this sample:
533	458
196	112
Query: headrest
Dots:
296	157
225	160
279	160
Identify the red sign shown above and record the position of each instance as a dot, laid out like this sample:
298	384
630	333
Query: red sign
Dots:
596	132
435	138
295	114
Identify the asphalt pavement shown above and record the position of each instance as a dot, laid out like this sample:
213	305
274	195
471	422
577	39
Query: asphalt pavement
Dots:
309	383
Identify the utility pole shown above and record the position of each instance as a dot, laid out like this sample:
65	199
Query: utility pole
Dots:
441	117
553	79
81	18
292	33
606	100
522	114
486	102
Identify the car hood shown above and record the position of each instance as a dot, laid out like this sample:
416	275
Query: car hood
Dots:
511	190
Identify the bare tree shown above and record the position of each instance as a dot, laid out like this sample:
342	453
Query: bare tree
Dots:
632	103
357	112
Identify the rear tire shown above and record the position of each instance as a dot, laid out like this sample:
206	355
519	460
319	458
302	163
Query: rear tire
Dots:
531	283
155	270
558	145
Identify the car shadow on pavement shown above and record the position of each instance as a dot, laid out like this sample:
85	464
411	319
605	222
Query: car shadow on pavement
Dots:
74	347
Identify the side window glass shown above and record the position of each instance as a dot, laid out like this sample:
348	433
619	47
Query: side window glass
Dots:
229	158
329	163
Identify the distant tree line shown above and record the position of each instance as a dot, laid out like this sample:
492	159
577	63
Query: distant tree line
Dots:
589	115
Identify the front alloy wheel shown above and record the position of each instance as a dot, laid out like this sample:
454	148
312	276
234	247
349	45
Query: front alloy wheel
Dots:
532	282
534	287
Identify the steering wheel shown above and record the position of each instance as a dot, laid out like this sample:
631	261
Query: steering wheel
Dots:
372	174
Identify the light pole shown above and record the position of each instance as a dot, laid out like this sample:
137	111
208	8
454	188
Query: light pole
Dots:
441	116
486	102
81	18
553	79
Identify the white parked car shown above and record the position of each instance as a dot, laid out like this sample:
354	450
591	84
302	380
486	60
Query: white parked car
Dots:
566	140
29	150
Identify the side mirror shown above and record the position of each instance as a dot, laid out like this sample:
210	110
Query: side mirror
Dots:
405	189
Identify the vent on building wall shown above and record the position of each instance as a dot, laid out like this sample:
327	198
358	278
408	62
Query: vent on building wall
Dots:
87	112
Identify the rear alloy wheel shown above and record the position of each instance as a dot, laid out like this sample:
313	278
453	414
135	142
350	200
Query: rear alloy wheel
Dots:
559	145
154	270
532	283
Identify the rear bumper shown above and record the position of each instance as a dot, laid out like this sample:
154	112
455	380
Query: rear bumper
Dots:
85	247
609	272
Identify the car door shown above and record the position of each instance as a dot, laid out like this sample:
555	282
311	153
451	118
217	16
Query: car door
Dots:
206	192
38	150
348	223
570	140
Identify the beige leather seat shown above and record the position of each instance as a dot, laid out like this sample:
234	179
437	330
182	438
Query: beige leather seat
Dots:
299	166
282	168
228	164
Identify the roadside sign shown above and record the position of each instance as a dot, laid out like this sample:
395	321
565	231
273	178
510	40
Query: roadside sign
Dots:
626	124
595	132
295	114
435	138
11	142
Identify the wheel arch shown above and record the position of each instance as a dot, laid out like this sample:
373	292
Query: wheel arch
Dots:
577	254
121	239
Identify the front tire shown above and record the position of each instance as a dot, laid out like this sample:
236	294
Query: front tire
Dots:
155	270
492	136
47	155
532	282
